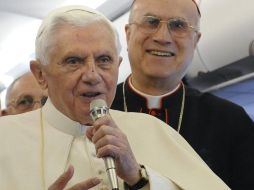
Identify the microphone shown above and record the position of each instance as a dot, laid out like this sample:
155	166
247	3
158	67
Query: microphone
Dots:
98	109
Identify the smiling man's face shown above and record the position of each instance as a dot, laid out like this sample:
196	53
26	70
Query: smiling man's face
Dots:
161	54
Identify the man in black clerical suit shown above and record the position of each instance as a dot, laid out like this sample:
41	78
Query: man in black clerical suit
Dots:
161	37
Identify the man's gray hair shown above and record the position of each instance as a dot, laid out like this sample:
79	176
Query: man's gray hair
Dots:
73	15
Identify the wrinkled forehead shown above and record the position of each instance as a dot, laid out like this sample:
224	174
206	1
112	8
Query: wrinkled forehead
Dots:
194	1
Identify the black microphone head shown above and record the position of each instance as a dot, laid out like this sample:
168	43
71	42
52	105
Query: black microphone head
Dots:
98	108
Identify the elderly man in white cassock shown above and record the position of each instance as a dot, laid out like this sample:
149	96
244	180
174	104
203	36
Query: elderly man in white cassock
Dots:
60	146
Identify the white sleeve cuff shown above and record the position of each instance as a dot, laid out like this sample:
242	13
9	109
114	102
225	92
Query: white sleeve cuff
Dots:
157	181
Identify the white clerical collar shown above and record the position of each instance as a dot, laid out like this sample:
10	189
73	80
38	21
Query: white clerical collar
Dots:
61	122
153	102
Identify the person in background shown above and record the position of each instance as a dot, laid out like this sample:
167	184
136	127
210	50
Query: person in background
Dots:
77	61
161	37
24	95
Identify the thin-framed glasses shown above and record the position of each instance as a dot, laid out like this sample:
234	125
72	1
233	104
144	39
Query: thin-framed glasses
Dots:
177	26
27	102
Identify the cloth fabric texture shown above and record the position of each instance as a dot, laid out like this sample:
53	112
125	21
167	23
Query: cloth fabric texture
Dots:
170	161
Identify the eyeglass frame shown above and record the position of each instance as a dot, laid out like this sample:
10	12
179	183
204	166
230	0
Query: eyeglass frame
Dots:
15	103
195	29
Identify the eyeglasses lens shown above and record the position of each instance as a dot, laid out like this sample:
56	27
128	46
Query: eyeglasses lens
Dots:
27	102
176	26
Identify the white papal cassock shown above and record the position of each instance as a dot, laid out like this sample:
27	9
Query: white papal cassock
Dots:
36	147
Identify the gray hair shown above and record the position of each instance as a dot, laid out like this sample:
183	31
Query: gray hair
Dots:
73	15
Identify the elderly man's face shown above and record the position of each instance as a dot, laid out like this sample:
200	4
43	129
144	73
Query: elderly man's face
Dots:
159	53
82	66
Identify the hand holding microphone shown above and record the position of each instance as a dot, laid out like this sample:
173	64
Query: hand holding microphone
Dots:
105	132
98	109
